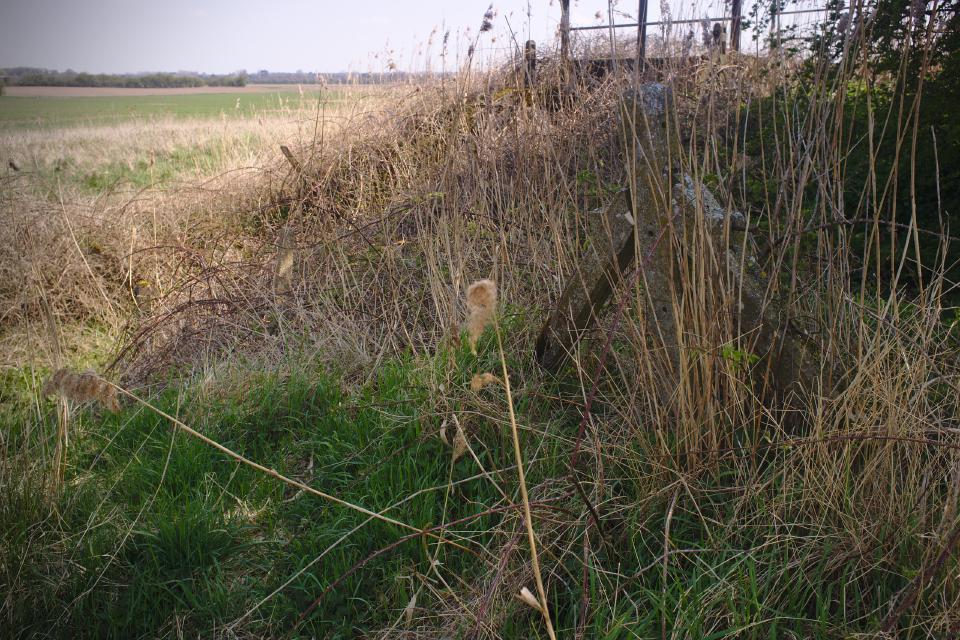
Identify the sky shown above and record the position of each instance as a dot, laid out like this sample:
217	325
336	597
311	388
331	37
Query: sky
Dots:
222	36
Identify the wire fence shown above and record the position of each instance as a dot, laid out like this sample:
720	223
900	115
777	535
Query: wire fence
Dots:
719	33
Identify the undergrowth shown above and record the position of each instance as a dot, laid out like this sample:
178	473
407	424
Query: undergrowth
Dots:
158	534
306	316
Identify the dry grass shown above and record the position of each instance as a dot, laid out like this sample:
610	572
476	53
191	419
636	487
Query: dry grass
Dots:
363	255
98	254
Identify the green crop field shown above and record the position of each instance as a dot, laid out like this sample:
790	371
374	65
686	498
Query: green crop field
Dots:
67	111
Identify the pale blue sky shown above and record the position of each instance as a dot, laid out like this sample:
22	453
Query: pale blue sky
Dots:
218	36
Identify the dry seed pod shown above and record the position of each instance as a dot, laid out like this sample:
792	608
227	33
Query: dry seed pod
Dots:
82	387
443	433
481	303
459	443
410	608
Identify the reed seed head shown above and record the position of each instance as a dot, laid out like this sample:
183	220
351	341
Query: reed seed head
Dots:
481	304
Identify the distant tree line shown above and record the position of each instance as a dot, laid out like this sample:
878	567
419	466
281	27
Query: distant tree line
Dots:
37	77
285	77
342	77
33	77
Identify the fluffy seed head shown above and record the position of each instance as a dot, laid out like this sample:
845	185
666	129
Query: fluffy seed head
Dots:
482	380
487	23
481	303
529	599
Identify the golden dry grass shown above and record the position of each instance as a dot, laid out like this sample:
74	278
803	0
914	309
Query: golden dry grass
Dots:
88	250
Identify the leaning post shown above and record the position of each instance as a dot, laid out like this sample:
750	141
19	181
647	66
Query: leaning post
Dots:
611	247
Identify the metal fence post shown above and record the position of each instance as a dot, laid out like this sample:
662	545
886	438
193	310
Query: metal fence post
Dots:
642	35
735	25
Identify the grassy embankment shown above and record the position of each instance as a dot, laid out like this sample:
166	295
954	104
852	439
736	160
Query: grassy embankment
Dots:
310	322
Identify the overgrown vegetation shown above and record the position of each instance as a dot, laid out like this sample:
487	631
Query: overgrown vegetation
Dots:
206	538
308	316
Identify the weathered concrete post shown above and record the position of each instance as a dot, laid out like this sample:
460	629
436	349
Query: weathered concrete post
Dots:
530	63
665	222
786	357
611	245
300	176
609	251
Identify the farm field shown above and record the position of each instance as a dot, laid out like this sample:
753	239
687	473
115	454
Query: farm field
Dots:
101	92
46	107
109	144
